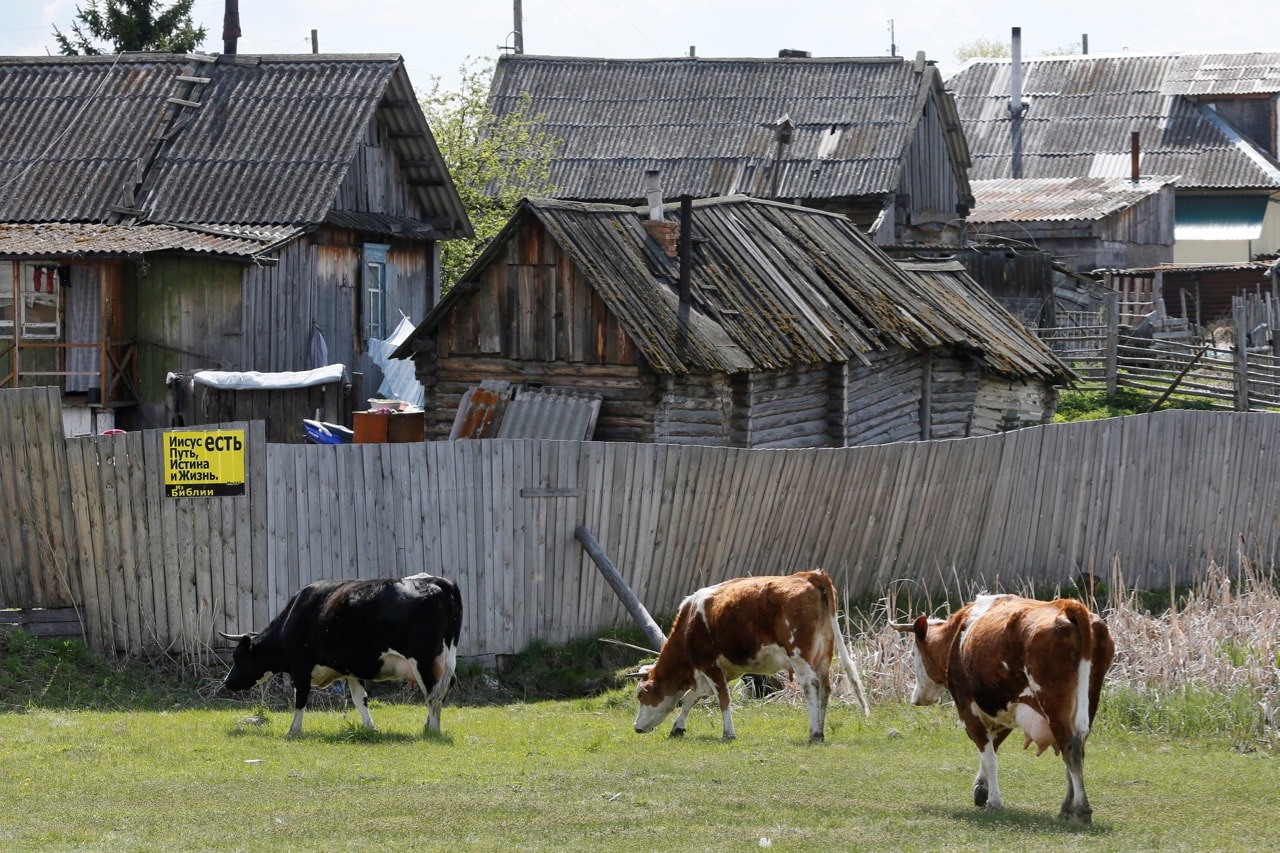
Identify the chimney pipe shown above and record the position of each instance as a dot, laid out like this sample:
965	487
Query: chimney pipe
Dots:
315	41
231	27
686	245
1134	151
1015	56
1084	43
1016	107
653	194
519	32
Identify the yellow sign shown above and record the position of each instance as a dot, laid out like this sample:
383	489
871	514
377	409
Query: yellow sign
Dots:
204	464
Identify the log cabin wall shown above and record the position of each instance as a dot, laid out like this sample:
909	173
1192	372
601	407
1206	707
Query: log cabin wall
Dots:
884	398
953	387
782	408
695	409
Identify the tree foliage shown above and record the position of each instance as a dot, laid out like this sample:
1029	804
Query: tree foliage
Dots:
494	160
983	48
116	26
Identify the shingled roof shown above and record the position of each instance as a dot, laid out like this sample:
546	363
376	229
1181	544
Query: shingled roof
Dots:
773	286
182	140
710	125
1082	111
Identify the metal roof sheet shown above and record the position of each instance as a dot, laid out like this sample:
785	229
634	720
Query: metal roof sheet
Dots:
88	239
772	286
1059	199
263	140
708	125
1081	114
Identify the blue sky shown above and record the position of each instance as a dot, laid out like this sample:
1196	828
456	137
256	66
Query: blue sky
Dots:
437	36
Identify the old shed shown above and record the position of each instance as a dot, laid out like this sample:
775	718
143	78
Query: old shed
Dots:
162	214
784	327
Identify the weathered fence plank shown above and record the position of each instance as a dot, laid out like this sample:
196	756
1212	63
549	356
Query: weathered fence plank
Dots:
1159	496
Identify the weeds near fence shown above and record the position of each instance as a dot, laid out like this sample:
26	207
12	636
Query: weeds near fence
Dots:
1200	660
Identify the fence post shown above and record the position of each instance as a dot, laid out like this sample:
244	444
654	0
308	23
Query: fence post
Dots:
1111	346
1240	323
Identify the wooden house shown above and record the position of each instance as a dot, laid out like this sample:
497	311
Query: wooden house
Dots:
774	326
877	139
162	214
1208	118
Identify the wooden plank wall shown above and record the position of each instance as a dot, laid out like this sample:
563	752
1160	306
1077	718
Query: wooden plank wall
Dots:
38	566
159	571
1160	496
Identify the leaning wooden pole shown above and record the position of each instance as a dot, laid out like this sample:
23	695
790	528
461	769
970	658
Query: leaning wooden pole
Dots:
620	588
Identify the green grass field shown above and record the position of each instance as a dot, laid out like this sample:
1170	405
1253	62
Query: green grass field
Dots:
111	755
571	774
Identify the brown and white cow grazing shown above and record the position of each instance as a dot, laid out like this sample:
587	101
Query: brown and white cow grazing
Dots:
1015	662
756	625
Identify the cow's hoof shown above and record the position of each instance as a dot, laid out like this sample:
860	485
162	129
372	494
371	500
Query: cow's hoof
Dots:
980	794
677	733
729	738
1085	817
818	738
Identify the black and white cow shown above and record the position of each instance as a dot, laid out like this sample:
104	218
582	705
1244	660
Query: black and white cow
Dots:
376	630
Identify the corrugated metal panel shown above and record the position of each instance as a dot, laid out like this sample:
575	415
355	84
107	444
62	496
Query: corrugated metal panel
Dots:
1058	199
1224	74
1081	116
75	239
549	414
708	124
269	144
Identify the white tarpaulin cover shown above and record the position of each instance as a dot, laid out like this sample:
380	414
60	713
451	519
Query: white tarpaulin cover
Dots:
253	379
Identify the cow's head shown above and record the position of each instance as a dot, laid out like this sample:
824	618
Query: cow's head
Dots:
657	697
248	667
931	675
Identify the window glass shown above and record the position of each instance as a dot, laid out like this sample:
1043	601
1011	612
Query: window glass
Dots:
39	300
375	291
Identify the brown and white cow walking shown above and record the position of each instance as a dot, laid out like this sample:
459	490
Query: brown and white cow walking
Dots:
758	625
1012	662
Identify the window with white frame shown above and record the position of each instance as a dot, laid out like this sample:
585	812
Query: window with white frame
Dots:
34	303
375	291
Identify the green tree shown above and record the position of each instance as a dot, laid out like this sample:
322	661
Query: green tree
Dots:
494	160
984	48
116	26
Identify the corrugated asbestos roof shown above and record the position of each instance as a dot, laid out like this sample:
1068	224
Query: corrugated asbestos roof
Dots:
773	286
232	140
709	125
1059	199
1224	74
1083	110
67	240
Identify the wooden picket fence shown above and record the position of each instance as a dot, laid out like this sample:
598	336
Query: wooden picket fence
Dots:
1159	497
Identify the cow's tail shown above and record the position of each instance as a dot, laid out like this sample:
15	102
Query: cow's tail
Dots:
849	665
822	581
1082	617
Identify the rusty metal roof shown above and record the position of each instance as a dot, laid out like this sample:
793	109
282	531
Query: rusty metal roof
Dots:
710	125
175	139
1059	199
772	286
1081	114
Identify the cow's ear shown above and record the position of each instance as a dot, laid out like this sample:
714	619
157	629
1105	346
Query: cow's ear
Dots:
921	627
